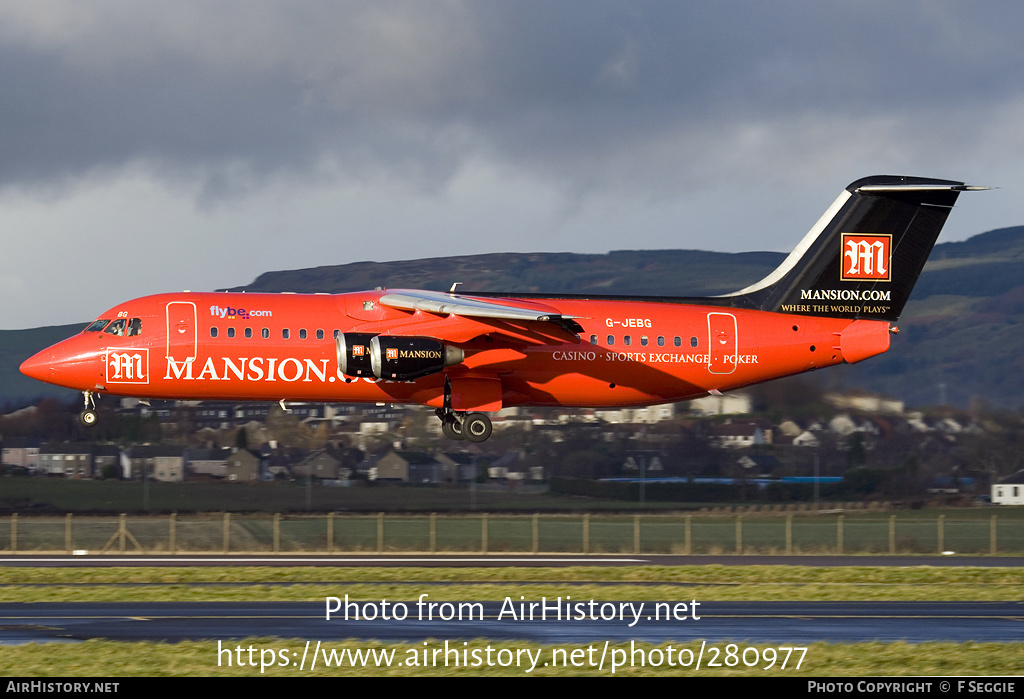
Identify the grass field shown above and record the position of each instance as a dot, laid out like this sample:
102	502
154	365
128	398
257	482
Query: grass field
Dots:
103	658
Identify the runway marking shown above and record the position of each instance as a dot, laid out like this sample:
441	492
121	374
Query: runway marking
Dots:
307	559
806	617
801	617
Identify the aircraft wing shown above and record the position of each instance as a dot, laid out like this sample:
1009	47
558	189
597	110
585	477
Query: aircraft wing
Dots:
453	304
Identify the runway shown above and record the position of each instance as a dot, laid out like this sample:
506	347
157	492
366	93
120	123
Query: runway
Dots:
760	622
497	560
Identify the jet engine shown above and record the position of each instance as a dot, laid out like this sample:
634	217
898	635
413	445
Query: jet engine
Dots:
354	354
398	358
408	358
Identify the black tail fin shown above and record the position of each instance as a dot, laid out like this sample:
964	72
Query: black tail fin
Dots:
864	255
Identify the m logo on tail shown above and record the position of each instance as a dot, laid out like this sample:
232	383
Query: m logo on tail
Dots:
866	257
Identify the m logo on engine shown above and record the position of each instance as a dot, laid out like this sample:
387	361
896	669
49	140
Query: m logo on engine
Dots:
866	257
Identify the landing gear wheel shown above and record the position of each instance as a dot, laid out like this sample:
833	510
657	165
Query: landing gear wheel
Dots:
452	429
476	427
88	414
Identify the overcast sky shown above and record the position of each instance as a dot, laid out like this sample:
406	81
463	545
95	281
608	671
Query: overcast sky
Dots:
151	147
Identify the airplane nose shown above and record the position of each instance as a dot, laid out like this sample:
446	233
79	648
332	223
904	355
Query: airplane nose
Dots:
39	366
73	363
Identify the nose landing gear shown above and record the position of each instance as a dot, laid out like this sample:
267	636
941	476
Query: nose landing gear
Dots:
88	415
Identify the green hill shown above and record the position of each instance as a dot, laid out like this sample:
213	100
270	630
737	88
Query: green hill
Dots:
657	272
18	345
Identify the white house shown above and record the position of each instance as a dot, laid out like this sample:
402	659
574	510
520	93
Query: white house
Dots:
1010	490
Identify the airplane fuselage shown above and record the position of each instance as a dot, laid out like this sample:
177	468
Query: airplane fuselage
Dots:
282	347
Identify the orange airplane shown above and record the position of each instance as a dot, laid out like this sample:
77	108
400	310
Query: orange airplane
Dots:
832	300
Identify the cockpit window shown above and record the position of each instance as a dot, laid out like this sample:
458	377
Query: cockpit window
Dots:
117	327
96	326
134	327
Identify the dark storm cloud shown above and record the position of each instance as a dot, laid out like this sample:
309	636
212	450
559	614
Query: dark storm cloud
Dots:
567	90
60	122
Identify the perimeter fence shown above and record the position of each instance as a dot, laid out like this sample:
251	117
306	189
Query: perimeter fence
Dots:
528	534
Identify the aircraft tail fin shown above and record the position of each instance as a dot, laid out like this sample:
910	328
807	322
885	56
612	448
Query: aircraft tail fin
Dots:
864	255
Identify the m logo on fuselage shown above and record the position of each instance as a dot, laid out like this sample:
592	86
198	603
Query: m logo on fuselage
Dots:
866	257
127	365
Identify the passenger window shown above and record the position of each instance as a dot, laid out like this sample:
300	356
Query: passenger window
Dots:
693	342
337	334
248	333
231	332
265	332
213	331
661	340
677	341
134	327
117	327
285	333
611	340
643	340
319	334
627	340
96	326
593	339
302	334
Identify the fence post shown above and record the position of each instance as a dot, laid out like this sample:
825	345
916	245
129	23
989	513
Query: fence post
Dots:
277	532
586	533
483	532
892	535
433	532
942	534
688	542
536	532
330	532
14	532
173	524
67	533
122	527
789	534
636	535
739	535
380	532
227	532
839	535
992	535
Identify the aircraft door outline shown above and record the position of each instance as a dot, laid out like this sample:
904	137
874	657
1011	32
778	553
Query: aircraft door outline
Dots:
723	343
182	331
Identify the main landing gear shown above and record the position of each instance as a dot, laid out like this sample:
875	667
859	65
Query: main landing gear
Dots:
88	414
473	427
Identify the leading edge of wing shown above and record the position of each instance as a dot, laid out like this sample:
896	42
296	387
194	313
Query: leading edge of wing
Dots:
453	304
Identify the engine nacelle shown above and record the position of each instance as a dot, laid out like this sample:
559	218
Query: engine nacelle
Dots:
354	354
408	358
